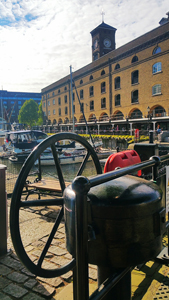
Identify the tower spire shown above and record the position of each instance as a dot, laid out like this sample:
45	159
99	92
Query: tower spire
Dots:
102	13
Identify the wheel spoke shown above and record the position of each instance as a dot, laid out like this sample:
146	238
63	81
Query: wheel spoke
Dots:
51	236
83	164
58	167
46	202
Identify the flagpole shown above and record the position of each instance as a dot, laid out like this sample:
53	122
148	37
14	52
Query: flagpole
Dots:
72	98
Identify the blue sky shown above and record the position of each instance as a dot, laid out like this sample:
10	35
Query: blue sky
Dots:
40	39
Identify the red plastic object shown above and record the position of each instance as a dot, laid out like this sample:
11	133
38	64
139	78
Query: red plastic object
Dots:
122	159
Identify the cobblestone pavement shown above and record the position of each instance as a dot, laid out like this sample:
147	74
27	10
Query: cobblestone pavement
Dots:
149	282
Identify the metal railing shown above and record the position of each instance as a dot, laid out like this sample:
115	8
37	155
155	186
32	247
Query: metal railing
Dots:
81	186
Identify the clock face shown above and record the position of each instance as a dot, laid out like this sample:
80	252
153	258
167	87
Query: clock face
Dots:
96	44
107	43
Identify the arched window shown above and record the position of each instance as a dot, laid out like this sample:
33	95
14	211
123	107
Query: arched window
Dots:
102	72
156	50
136	114
134	77
134	59
156	90
65	88
58	91
103	87
91	77
117	66
81	81
157	67
134	96
117	83
117	100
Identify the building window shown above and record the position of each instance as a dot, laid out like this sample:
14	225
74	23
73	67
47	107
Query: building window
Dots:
43	104
53	94
134	77
117	66
92	105
103	87
156	50
117	100
103	103
48	103
91	77
53	101
59	101
91	91
74	108
117	83
65	88
48	95
134	96
134	59
65	99
48	112
81	94
58	91
65	110
73	96
102	72
81	81
59	111
156	90
82	107
157	67
54	112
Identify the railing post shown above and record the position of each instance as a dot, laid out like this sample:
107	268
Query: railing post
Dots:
81	186
3	212
155	167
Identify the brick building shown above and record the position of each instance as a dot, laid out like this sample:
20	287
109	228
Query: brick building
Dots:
120	88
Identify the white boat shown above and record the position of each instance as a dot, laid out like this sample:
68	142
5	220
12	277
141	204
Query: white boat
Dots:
19	144
66	157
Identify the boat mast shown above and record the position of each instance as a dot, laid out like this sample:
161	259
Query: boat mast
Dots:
72	98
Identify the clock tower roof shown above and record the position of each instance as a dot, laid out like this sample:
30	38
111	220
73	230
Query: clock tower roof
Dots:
103	26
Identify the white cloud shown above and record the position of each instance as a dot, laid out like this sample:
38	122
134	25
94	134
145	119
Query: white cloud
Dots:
40	39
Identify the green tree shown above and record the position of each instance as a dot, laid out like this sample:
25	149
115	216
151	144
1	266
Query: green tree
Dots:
40	114
28	113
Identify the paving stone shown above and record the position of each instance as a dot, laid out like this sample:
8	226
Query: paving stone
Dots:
10	262
57	250
4	297
17	277
32	296
67	275
48	265
60	260
4	282
30	283
15	291
44	289
4	270
55	282
68	255
60	235
25	271
93	274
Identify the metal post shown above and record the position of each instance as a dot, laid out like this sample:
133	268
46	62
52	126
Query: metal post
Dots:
3	212
81	187
122	290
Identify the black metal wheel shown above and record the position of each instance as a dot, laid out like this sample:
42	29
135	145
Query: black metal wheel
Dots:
20	202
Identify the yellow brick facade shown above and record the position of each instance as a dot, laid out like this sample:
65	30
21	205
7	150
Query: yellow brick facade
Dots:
103	72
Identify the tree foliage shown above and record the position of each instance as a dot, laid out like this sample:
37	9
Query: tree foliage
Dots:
40	114
28	113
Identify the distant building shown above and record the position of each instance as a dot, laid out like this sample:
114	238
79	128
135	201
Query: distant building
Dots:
119	88
11	103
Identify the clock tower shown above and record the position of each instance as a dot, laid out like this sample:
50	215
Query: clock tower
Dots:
103	40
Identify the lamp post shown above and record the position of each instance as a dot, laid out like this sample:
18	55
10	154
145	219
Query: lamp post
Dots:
150	132
148	111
